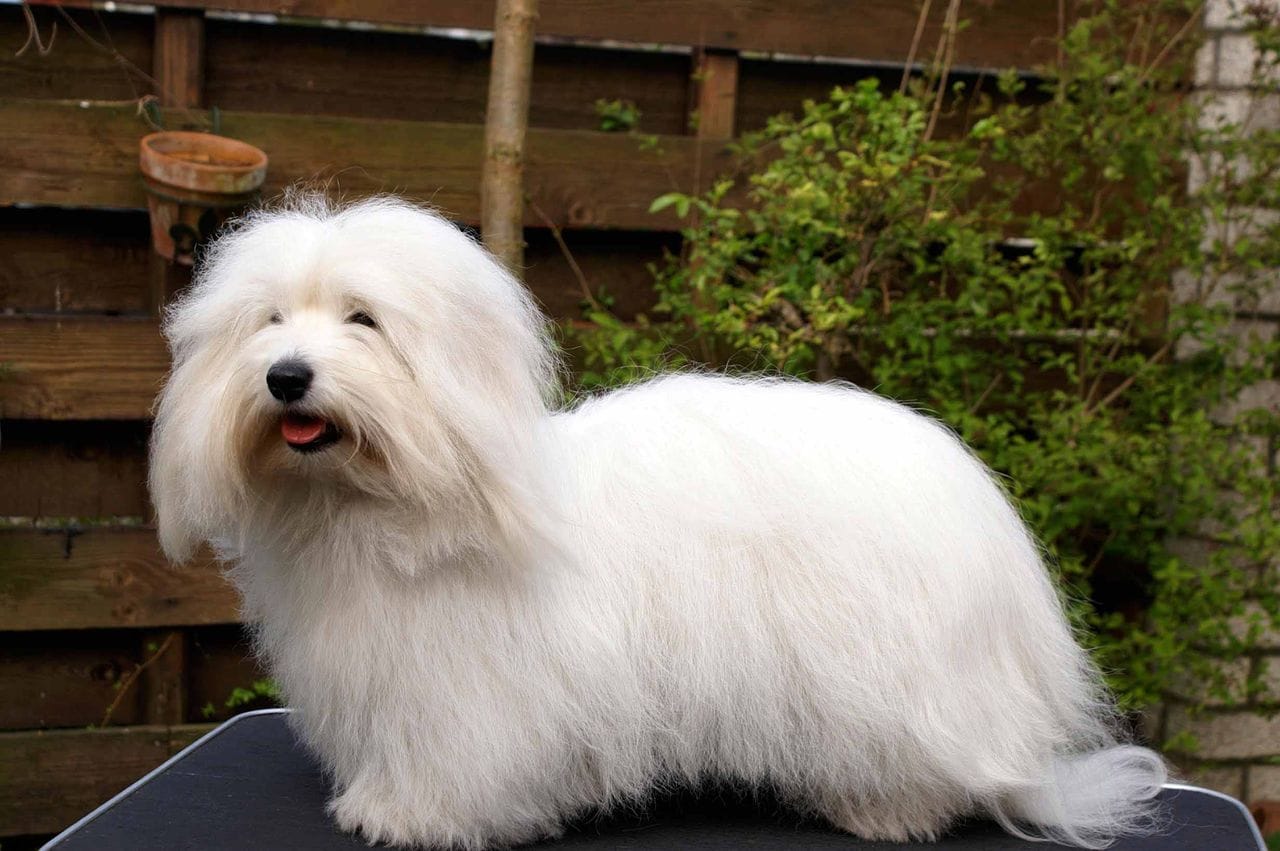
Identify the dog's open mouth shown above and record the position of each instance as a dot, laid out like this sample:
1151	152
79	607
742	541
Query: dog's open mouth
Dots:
308	433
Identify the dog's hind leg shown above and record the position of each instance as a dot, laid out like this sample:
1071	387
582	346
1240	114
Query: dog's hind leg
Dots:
908	816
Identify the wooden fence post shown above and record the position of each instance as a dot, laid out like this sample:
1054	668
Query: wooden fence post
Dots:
715	100
177	65
164	682
505	126
178	69
178	61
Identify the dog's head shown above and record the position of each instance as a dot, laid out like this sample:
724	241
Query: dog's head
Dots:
366	354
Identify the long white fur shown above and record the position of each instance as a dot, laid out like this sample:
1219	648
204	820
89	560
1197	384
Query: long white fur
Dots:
492	614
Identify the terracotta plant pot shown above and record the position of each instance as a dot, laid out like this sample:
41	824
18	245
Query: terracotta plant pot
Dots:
194	182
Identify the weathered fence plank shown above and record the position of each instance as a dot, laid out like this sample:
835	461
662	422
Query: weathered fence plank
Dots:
1003	33
96	262
71	469
101	578
74	68
413	77
52	778
615	261
88	367
87	261
79	368
66	679
85	155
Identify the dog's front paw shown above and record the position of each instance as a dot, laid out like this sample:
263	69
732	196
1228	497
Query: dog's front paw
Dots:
380	816
377	818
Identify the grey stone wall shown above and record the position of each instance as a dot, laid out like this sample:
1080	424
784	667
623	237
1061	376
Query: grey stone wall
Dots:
1239	740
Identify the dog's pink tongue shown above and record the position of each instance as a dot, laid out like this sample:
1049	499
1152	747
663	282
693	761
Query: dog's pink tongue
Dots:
299	429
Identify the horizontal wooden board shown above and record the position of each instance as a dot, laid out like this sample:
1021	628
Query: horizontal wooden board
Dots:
51	778
66	678
73	469
85	155
88	368
98	261
77	368
768	88
69	678
73	68
74	261
101	578
617	263
1002	33
415	77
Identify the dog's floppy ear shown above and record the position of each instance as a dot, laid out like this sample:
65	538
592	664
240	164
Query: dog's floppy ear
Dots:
193	474
169	478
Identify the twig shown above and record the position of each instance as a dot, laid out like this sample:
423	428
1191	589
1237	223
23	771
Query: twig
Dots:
1110	356
111	45
915	46
928	204
949	27
132	678
33	34
558	236
115	55
982	397
1102	549
1062	35
127	66
1191	22
1128	382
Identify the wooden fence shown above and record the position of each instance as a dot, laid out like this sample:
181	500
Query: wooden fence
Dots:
94	625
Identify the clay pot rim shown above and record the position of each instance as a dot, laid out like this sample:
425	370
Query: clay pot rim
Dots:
164	168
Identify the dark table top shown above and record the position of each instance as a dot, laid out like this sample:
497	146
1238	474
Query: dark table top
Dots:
248	784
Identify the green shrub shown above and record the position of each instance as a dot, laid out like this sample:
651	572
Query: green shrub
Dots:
1016	280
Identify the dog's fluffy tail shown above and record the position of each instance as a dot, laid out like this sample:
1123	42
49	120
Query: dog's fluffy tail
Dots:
1089	799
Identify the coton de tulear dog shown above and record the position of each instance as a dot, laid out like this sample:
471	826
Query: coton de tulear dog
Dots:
492	614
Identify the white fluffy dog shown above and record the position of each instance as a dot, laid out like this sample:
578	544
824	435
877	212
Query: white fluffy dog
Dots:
492	614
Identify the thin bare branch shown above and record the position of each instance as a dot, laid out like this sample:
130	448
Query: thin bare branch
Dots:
915	46
990	388
33	34
947	50
1062	36
128	681
1191	23
1120	388
558	235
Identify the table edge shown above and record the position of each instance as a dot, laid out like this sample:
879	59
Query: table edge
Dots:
226	725
162	767
1236	802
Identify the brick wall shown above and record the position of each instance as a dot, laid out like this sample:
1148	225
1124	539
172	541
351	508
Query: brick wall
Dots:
1239	741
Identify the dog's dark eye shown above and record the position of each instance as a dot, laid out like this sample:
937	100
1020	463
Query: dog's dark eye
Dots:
362	318
276	319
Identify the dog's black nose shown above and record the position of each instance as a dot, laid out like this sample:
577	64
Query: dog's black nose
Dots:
288	380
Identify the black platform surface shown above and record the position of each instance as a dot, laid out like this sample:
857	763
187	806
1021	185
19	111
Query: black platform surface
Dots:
248	784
